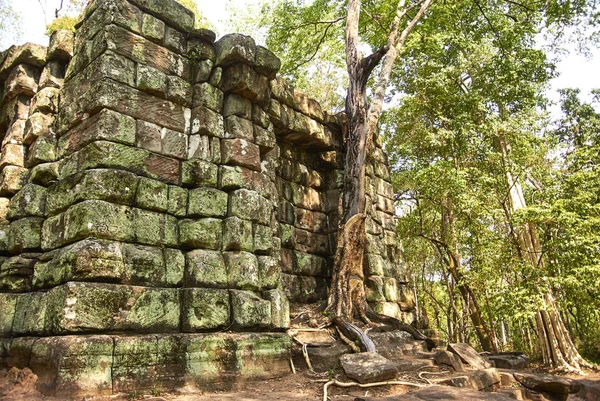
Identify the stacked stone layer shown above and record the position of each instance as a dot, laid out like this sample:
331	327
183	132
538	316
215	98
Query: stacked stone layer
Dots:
159	188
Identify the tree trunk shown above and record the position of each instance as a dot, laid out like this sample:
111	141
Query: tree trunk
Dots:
557	347
347	294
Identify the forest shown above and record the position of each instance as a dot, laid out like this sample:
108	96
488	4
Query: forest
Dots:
498	198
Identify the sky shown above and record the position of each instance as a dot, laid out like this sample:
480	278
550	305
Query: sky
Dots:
575	71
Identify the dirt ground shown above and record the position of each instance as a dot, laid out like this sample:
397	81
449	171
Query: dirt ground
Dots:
19	385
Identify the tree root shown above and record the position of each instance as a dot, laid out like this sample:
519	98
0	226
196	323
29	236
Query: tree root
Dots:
398	325
355	335
430	373
348	342
367	385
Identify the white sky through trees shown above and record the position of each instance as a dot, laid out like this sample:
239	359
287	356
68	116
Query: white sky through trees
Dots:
575	70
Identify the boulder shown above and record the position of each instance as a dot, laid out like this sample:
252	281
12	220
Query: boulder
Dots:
324	359
468	355
449	359
547	383
509	360
442	393
368	367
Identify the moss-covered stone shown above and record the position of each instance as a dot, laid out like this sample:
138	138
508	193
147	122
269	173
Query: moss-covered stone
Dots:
30	314
178	201
207	122
242	270
93	307
237	235
309	265
267	63
249	205
263	239
237	127
261	355
16	272
269	270
249	310
151	80
280	309
207	202
205	309
25	234
8	304
28	202
374	289
201	233
199	173
205	269
152	195
206	95
153	28
234	48
237	105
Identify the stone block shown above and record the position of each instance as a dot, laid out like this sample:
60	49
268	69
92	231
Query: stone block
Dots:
44	174
4	204
43	150
153	28
22	80
374	289
368	367
73	365
151	80
103	220
16	272
177	204
110	155
237	235
306	197
266	63
199	173
239	152
206	95
12	155
203	70
169	11
25	234
263	239
242	79
105	125
15	133
207	122
261	355
388	308
175	40
390	289
249	205
307	264
205	269
179	91
30	314
161	140
8	304
309	220
303	289
236	105
236	177
205	147
28	202
152	195
269	270
205	309
237	127
235	48
45	101
201	234
264	138
280	309
249	310
207	202
61	45
113	186
93	307
242	270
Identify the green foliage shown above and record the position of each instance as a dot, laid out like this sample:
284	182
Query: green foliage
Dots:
201	21
65	22
10	24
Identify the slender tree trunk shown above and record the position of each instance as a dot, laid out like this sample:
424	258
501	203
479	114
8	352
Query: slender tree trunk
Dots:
347	294
557	347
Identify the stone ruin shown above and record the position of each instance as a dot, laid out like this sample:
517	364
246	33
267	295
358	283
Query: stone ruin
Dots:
164	198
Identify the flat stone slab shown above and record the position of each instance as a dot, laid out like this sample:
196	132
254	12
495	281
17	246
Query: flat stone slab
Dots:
368	367
442	393
323	359
468	355
547	383
449	359
412	364
509	360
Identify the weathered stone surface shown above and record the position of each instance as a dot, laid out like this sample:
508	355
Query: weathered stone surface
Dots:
28	53
242	79
547	383
242	270
204	147
206	95
201	233
25	234
206	268
280	309
61	45
90	307
234	48
368	367
444	393
28	202
8	303
205	309
237	127
249	310
325	359
237	235
102	220
395	343
170	11
178	201
468	355
69	366
30	314
266	62
249	205
236	105
153	28
199	173
509	360
449	359
161	140
207	202
207	122
152	195
239	152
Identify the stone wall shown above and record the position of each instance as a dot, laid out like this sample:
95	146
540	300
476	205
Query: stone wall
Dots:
164	197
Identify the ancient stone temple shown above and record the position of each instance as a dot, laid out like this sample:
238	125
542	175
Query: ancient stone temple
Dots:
164	198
